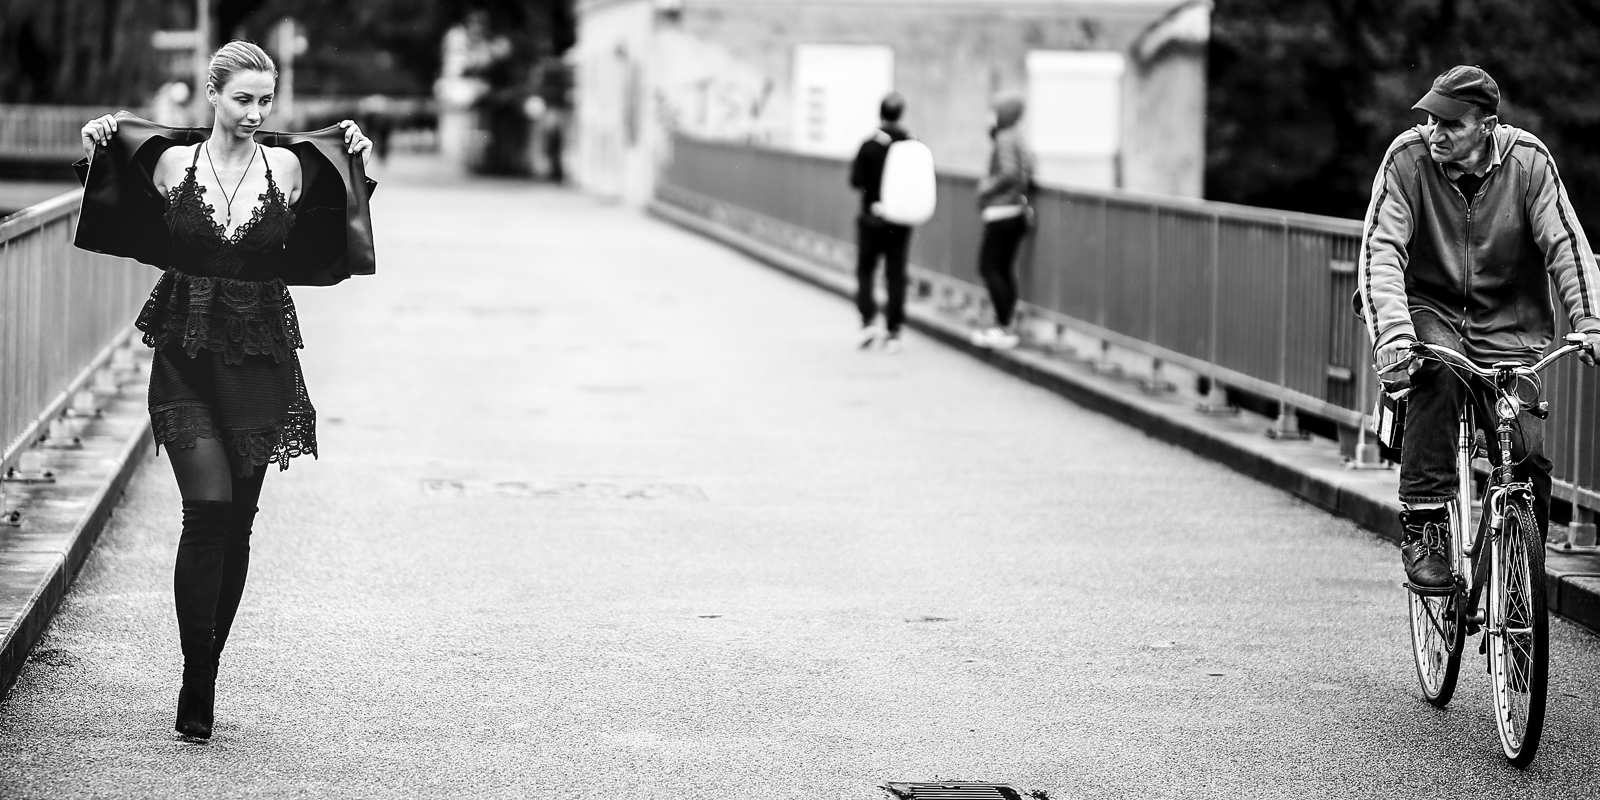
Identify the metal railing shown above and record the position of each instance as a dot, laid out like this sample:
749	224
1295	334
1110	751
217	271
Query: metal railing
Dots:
64	314
1255	299
44	133
48	133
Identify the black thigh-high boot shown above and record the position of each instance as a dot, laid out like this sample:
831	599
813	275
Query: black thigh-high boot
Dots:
235	569
196	580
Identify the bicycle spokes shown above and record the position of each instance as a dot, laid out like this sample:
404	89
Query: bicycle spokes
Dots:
1518	633
1436	639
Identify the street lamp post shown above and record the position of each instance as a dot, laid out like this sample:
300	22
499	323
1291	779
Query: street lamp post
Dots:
202	46
289	42
196	40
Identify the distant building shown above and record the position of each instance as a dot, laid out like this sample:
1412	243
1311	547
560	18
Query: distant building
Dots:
1115	88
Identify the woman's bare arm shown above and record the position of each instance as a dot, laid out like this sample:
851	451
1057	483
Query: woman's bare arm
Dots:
285	172
169	168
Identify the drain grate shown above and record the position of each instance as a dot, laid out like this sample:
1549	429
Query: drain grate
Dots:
953	791
563	490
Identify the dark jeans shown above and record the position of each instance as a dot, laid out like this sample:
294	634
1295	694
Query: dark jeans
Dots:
875	238
997	264
1428	451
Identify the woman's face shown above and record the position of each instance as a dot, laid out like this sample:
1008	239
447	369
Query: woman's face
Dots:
244	101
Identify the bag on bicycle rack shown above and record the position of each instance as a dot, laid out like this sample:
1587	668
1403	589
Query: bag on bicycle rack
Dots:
1389	419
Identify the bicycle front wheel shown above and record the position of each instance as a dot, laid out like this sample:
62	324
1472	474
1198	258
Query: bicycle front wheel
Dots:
1519	633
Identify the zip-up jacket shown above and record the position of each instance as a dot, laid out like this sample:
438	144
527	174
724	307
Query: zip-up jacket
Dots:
1010	177
1485	267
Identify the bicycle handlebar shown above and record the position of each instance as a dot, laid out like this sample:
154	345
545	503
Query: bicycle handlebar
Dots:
1576	342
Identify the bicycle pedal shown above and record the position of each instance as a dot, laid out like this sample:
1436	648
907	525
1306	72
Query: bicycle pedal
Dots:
1429	591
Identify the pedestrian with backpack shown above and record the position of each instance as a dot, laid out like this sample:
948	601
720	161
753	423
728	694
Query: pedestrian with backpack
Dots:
894	174
1003	203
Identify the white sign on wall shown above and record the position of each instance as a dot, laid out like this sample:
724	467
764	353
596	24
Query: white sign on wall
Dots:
837	89
1074	116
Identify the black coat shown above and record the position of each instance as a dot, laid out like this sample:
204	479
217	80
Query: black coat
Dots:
122	209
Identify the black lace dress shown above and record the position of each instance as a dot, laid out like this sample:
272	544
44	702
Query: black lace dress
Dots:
225	334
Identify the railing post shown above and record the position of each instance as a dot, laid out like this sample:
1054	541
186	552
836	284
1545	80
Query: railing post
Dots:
1366	454
1287	425
1153	299
29	468
1157	382
1215	401
10	517
1105	249
1581	531
1105	365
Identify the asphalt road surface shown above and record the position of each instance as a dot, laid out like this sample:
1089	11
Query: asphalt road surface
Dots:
607	511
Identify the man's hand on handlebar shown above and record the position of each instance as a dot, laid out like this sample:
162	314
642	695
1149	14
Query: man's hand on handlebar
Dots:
1394	355
1393	361
1591	342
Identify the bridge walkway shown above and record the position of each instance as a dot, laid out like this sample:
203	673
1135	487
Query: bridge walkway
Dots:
607	510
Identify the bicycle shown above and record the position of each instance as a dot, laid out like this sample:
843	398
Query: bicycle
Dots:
1515	623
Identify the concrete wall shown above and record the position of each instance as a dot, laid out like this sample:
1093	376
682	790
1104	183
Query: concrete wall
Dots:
615	142
724	69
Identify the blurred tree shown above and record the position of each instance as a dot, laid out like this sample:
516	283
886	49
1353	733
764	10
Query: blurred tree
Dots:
98	51
392	46
83	51
1304	96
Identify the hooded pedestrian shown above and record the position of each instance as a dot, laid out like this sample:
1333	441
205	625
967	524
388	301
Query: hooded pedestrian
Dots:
1003	203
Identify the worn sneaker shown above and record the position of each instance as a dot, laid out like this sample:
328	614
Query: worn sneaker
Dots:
993	338
869	336
1424	550
891	345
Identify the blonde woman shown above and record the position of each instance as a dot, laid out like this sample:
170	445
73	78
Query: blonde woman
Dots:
232	215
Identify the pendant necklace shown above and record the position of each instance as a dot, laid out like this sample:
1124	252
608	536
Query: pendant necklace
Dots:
228	220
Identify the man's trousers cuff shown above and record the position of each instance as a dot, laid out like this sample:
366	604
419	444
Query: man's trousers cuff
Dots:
1418	499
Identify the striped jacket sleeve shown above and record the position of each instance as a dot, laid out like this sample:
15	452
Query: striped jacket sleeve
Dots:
1560	237
1385	231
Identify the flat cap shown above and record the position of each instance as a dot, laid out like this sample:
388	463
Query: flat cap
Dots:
1459	89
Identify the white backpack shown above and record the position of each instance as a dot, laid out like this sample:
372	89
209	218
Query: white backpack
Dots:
908	188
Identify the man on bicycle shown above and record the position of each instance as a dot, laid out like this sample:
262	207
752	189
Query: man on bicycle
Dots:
1467	227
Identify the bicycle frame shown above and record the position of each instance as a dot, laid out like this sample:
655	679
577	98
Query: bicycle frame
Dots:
1502	487
1500	490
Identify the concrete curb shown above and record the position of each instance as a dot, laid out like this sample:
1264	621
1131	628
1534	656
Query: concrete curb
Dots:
61	523
1312	471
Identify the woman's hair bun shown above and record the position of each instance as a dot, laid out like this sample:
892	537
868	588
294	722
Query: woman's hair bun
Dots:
235	57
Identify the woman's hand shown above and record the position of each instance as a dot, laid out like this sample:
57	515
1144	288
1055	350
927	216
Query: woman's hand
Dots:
357	142
97	132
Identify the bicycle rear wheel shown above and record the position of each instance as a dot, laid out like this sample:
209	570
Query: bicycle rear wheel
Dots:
1519	633
1437	634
